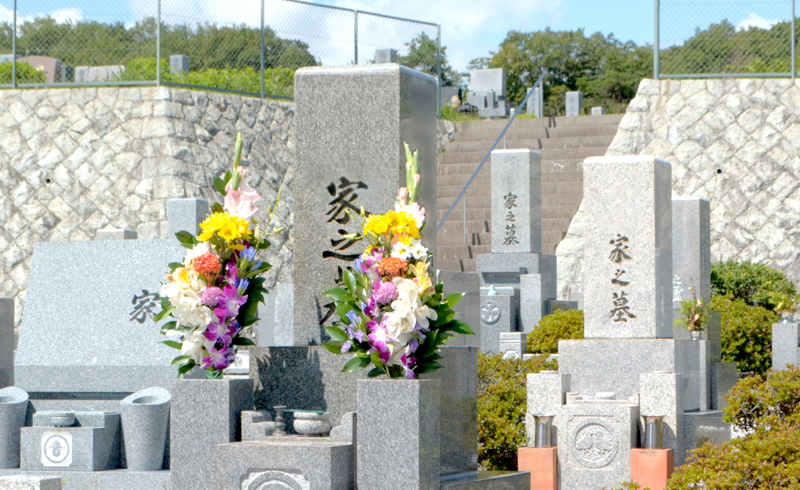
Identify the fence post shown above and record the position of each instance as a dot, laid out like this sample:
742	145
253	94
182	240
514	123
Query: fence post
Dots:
158	45
262	48
656	47
439	71
794	67
14	50
355	35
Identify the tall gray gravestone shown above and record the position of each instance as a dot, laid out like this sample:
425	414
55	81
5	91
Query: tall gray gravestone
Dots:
516	201
606	381
6	342
691	252
351	123
574	104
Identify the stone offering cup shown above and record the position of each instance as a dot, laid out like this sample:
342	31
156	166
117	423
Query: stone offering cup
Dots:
311	423
145	415
13	409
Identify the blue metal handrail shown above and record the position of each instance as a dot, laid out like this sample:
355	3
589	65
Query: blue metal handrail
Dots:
489	153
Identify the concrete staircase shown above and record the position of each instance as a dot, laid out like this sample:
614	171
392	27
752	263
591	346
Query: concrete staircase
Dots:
564	143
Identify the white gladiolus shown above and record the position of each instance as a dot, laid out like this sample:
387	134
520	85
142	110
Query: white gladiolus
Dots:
194	343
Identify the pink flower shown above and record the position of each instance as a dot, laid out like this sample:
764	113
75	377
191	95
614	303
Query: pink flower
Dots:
402	194
241	202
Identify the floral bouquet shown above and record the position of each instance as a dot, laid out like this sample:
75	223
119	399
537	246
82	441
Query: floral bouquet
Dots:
214	293
390	313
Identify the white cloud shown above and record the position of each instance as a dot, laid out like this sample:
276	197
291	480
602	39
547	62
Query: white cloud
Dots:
755	21
67	15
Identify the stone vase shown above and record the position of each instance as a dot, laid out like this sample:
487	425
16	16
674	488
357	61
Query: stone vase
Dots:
13	409
398	434
145	417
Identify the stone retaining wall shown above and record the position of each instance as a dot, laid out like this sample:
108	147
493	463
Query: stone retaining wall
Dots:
73	161
733	142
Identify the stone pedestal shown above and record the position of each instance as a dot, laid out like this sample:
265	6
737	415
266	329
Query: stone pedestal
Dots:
533	304
651	468
516	342
542	464
286	462
204	414
342	167
498	315
705	427
13	409
785	341
25	482
398	434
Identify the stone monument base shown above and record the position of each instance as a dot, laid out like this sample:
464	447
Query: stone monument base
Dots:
487	480
112	479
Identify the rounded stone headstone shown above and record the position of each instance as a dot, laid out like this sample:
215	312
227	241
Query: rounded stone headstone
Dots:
13	408
145	415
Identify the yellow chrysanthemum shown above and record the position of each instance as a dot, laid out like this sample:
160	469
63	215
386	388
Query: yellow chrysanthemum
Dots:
405	239
227	226
396	223
376	224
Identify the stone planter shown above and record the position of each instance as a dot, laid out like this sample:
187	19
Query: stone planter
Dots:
398	434
13	409
311	423
145	416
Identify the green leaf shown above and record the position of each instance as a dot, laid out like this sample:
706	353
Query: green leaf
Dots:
172	343
453	299
169	325
185	238
337	334
163	313
249	315
344	308
461	327
334	347
217	208
375	372
185	368
349	281
339	295
180	359
219	185
243	341
356	364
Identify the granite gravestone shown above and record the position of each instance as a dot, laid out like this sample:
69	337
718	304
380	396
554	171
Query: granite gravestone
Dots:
536	103
488	92
691	252
6	342
629	226
516	201
344	164
574	104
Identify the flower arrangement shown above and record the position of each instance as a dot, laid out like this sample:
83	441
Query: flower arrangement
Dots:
214	293
391	315
694	314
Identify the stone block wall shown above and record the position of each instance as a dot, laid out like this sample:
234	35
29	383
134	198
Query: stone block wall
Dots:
733	142
73	161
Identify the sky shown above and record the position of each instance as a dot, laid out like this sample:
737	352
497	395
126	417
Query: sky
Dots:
470	28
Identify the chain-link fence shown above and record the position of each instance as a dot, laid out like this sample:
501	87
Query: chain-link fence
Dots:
250	47
706	38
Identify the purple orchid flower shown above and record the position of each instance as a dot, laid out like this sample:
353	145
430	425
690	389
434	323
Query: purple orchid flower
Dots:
413	346
229	304
220	333
378	339
233	273
219	358
371	309
407	363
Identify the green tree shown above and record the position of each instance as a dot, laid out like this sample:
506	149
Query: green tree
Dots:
423	56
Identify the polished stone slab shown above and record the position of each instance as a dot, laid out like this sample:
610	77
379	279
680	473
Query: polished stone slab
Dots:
516	201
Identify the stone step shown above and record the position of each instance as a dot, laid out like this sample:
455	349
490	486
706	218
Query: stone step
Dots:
549	154
551	122
515	133
532	144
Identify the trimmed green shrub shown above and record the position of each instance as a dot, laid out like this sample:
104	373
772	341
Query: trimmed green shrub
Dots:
756	284
277	81
561	324
767	458
26	73
746	333
450	113
502	402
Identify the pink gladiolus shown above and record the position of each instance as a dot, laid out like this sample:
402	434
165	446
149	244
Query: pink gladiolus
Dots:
241	203
402	194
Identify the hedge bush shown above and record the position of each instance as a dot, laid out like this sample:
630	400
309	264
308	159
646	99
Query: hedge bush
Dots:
26	73
746	333
768	457
561	324
502	402
277	81
756	284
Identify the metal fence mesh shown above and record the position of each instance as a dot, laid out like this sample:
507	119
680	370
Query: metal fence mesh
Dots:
215	44
724	38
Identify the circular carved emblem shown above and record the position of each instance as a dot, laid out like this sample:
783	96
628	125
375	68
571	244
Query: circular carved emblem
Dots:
56	449
594	445
490	312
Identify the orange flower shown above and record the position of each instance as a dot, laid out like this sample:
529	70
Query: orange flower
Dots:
206	264
392	266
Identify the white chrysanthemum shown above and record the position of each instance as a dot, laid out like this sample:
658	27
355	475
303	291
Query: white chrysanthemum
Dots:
401	251
418	251
184	291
